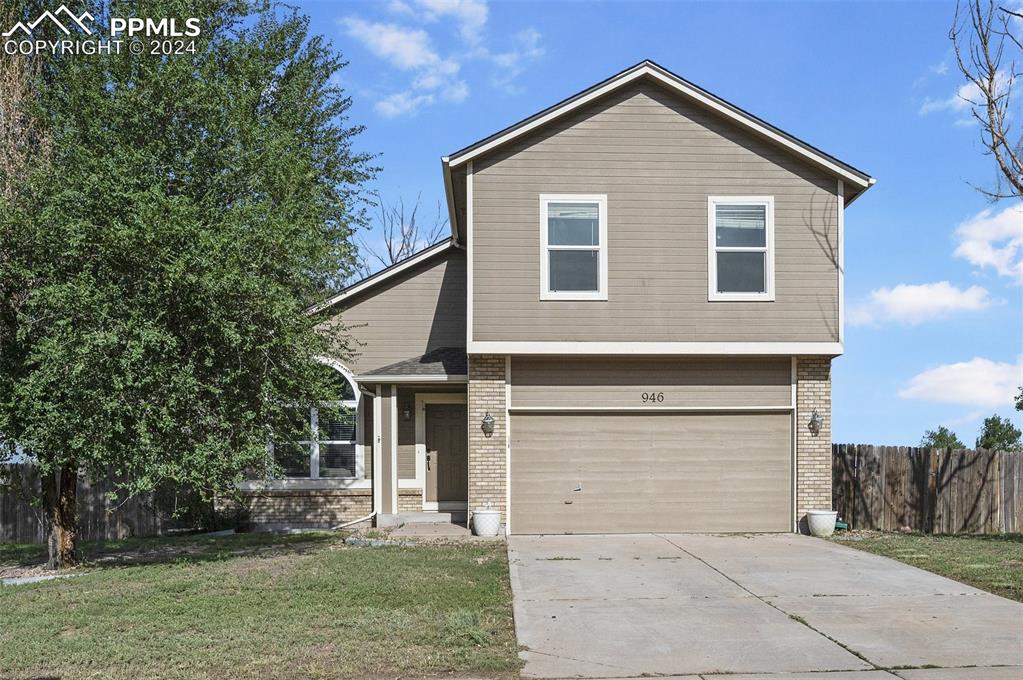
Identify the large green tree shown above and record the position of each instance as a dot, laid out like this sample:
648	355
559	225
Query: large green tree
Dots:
999	434
157	266
942	438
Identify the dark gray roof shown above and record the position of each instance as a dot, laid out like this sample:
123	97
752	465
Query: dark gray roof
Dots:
441	361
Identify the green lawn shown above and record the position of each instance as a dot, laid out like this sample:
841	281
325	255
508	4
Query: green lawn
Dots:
991	563
262	606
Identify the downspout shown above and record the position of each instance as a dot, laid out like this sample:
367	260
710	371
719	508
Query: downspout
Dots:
373	514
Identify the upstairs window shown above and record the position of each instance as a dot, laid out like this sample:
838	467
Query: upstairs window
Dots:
741	248
573	237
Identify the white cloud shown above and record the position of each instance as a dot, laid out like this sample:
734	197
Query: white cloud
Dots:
940	69
962	101
409	49
404	48
914	304
400	7
978	382
990	239
456	92
471	15
437	77
402	103
511	63
958	102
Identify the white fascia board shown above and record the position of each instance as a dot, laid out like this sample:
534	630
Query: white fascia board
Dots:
450	195
678	86
412	378
658	348
841	260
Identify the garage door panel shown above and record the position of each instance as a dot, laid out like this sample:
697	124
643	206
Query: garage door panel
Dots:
629	472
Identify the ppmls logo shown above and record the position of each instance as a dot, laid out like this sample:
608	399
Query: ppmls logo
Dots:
69	18
162	36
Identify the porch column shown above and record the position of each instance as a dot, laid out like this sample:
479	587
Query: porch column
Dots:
487	454
386	451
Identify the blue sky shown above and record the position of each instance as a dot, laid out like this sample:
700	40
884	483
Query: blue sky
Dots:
933	271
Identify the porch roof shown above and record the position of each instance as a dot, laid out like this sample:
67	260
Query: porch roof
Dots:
444	364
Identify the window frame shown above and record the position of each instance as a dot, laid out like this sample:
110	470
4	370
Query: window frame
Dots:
713	295
545	248
312	422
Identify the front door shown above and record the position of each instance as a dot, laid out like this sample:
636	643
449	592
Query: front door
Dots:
447	456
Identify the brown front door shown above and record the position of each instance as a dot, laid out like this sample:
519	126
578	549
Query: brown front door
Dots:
447	453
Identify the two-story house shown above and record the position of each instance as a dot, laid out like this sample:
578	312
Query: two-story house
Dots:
630	329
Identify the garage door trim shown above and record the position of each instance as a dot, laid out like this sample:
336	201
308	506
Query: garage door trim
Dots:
648	409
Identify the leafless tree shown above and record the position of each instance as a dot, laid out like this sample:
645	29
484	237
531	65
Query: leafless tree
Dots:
403	232
986	39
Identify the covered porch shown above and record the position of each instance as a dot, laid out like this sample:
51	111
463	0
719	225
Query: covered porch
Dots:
415	438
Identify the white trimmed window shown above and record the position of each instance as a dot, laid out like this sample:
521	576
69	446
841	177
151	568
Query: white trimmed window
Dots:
741	248
573	252
329	450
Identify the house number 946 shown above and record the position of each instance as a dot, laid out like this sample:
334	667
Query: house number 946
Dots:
653	397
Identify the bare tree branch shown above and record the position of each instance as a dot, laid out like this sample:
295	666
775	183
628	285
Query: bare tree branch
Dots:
980	35
402	231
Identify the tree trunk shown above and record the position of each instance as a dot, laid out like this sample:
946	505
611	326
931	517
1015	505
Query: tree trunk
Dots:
60	494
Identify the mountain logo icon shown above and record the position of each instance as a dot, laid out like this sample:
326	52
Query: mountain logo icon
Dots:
68	16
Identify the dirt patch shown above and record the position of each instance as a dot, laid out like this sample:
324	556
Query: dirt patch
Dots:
23	570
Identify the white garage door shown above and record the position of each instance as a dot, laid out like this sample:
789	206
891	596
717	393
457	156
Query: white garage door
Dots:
627	472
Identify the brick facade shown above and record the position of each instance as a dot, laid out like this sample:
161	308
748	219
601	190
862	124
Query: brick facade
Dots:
316	508
410	500
813	453
487	455
306	508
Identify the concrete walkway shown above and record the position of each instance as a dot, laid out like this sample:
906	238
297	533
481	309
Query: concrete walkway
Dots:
780	606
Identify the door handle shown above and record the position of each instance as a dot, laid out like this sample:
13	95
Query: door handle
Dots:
427	461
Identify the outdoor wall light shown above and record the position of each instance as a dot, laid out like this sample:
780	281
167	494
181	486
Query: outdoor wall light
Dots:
488	425
816	421
407	413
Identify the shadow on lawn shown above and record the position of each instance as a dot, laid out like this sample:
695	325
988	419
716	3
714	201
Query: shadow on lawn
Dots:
995	538
168	549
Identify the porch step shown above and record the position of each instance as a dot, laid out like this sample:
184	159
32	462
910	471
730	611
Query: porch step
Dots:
452	517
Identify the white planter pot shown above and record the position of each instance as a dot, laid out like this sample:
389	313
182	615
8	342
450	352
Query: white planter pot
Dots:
486	522
821	522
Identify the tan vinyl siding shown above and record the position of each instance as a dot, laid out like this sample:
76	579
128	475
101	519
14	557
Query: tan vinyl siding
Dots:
657	158
418	311
640	472
406	434
610	382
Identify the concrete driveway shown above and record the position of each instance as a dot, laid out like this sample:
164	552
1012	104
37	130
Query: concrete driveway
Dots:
778	606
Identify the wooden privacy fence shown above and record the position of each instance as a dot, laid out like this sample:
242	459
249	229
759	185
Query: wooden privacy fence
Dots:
940	491
101	516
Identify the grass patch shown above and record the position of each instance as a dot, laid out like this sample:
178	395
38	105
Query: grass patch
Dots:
991	563
263	606
160	548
